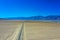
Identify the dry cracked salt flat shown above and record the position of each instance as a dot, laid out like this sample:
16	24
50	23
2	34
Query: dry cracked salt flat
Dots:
34	30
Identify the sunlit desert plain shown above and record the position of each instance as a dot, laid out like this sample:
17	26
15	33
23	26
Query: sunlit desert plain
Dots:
33	30
42	30
8	29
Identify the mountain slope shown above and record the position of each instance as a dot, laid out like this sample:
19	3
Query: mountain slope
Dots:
50	17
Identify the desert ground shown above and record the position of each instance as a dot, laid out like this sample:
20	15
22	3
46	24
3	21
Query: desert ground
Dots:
42	30
32	30
9	29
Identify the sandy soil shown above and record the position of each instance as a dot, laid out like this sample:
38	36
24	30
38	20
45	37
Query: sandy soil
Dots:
42	30
33	30
7	28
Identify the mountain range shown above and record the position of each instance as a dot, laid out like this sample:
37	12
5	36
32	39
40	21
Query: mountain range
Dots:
50	17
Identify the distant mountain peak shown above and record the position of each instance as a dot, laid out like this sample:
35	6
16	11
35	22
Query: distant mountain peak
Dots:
49	17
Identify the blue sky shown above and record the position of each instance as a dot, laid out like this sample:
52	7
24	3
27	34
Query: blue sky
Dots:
26	8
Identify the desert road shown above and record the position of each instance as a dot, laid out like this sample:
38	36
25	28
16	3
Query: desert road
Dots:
29	30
